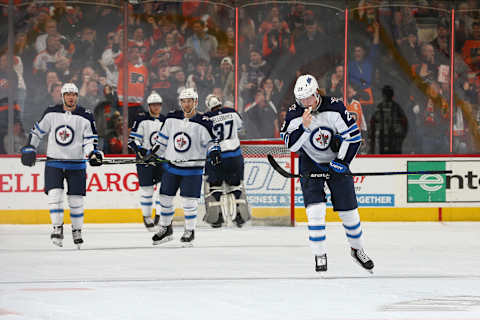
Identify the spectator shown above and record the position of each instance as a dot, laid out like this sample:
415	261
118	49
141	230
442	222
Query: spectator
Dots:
225	79
86	49
19	138
276	42
261	118
204	45
141	42
137	82
107	61
441	43
471	49
409	48
388	126
47	58
354	107
163	84
202	80
50	31
114	138
271	91
5	84
171	53
54	95
253	74
92	98
333	82
361	67
427	69
103	112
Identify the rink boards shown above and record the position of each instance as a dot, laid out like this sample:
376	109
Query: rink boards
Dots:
112	191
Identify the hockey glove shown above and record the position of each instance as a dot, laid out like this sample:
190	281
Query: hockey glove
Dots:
336	142
214	157
338	167
95	158
29	155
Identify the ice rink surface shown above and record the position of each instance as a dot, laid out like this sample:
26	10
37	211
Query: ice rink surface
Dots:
424	271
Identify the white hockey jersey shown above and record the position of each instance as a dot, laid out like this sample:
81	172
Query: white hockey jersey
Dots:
332	118
145	130
182	139
71	135
226	125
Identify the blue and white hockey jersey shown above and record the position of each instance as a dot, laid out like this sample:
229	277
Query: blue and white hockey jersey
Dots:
145	130
226	125
71	135
331	118
182	139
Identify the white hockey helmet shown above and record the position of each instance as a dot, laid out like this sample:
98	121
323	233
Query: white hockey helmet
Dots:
188	93
305	87
212	101
154	98
69	88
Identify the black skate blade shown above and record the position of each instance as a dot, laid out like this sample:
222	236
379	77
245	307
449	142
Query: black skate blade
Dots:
363	268
166	239
187	245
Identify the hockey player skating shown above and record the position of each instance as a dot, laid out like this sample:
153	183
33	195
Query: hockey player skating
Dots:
224	191
142	139
184	136
326	137
71	136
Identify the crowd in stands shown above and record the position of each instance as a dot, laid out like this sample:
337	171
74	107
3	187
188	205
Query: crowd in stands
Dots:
398	59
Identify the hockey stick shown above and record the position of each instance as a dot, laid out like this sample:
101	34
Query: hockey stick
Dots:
123	161
326	175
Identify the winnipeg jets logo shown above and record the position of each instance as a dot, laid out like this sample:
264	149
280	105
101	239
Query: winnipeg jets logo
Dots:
321	137
153	138
64	135
182	142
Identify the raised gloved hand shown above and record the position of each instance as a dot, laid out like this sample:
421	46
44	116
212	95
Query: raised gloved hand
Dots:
29	155
214	157
338	167
95	158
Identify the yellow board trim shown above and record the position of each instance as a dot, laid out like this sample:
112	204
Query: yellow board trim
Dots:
366	214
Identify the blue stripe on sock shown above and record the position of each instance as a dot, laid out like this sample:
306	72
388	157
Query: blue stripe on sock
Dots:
354	236
352	227
322	238
316	227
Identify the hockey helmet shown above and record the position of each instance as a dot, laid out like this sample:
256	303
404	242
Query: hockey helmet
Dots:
154	98
212	101
188	93
69	88
305	87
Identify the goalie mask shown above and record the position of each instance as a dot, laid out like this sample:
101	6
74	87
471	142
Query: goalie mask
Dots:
69	88
306	87
188	93
212	101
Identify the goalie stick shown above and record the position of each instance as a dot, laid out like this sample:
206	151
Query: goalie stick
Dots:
326	175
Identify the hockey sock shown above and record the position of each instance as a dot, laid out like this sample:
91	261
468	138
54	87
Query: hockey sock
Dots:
75	203
190	209
316	227
146	200
55	204
353	229
166	209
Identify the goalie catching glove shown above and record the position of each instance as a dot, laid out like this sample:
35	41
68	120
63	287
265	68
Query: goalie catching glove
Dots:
95	158
29	155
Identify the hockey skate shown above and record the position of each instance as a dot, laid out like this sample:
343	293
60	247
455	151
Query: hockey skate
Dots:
321	263
362	259
218	223
57	236
188	237
163	235
77	237
149	224
239	220
157	220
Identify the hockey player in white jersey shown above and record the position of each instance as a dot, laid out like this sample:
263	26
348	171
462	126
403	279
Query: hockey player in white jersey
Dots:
143	137
223	189
326	138
185	136
72	136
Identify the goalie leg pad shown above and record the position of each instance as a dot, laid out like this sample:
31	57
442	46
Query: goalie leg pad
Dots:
243	208
213	211
55	204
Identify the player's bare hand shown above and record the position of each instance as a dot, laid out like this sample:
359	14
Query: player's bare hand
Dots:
307	118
